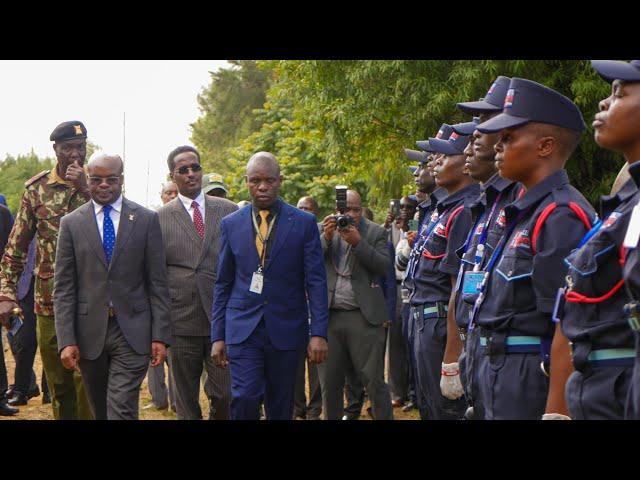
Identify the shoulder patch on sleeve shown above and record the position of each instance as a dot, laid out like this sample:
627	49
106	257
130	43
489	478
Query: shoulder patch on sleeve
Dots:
35	178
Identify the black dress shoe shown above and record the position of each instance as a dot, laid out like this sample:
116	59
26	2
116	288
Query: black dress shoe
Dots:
46	398
7	410
33	393
18	399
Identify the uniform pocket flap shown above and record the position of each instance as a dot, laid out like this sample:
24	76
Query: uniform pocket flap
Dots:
515	267
585	261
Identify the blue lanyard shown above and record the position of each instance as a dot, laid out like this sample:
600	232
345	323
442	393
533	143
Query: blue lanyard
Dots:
492	261
482	241
417	249
503	241
589	235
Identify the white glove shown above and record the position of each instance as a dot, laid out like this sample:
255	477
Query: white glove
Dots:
555	416
450	384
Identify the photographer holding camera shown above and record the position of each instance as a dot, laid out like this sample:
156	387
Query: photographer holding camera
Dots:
355	256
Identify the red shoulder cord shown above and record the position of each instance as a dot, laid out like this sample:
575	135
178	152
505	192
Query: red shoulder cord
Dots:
571	296
547	211
575	297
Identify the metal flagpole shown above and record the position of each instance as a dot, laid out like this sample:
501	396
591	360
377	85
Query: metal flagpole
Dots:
124	144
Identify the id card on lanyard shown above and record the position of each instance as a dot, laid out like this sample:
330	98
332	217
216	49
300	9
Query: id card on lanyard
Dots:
257	279
472	281
492	262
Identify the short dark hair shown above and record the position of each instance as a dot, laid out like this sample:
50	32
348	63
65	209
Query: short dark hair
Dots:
367	213
312	201
177	151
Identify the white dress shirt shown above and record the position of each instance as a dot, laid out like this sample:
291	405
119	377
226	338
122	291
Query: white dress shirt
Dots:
115	215
186	202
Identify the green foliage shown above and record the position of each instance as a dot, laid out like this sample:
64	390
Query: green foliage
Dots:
227	106
14	171
348	121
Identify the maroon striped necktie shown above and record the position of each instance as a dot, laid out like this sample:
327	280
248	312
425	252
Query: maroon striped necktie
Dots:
197	219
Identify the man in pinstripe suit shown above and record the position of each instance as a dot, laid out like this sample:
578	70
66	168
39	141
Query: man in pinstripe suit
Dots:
190	228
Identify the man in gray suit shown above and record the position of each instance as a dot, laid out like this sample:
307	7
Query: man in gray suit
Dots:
355	257
190	231
162	393
110	293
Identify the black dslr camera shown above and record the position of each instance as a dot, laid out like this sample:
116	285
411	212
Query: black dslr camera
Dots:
343	221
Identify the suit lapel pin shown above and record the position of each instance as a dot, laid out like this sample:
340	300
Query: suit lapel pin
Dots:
131	217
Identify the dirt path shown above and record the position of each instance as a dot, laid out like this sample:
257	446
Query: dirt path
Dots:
34	410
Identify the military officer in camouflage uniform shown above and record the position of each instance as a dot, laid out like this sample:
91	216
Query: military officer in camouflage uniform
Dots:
48	197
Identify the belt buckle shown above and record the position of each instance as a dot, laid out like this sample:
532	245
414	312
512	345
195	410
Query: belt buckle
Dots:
633	315
544	369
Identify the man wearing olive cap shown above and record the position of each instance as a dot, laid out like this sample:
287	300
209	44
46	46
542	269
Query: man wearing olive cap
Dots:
49	196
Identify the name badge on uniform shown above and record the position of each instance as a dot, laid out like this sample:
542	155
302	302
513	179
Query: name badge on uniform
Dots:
472	284
256	283
633	230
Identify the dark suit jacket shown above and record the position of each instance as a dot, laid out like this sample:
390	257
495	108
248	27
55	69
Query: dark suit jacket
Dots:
192	263
372	260
135	281
293	273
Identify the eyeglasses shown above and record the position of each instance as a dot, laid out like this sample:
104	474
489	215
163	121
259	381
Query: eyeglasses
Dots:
195	167
98	180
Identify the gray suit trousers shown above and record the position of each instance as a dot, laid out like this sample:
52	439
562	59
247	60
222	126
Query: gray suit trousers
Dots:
300	407
162	393
112	381
188	356
398	356
354	340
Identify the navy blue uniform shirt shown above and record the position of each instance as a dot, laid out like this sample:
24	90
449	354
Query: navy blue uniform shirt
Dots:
595	269
436	260
521	291
495	189
425	209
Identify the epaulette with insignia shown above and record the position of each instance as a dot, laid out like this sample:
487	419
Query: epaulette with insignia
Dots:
35	178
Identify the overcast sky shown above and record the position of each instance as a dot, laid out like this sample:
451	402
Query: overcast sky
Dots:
159	98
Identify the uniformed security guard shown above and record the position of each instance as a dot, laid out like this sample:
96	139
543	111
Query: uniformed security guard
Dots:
594	313
539	128
496	193
435	265
425	185
48	197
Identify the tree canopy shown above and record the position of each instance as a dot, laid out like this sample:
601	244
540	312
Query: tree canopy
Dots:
333	122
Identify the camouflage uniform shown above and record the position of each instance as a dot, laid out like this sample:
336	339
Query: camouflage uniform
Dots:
46	200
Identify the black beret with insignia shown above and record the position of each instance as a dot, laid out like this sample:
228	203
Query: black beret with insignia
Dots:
68	131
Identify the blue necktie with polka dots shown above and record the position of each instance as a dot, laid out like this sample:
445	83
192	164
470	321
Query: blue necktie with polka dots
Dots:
108	233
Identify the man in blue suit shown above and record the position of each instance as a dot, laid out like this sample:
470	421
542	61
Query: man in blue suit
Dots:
271	280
